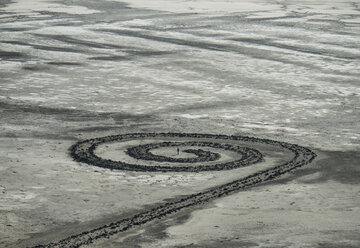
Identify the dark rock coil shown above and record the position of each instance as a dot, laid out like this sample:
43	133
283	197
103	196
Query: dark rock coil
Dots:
84	152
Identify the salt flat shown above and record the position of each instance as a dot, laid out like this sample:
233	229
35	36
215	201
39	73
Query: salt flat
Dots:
280	70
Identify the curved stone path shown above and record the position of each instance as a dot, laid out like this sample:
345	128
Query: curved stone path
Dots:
84	152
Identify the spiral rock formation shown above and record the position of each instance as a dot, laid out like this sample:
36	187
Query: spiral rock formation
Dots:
199	160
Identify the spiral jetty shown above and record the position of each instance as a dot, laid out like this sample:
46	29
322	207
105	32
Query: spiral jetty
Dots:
84	152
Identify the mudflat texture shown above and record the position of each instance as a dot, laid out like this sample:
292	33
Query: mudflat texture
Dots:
275	70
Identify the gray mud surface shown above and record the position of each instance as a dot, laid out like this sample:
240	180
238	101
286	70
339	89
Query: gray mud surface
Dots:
285	71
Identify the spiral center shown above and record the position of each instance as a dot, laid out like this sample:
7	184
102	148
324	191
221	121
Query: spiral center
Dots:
144	152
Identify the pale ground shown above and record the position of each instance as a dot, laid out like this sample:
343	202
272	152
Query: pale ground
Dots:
79	69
